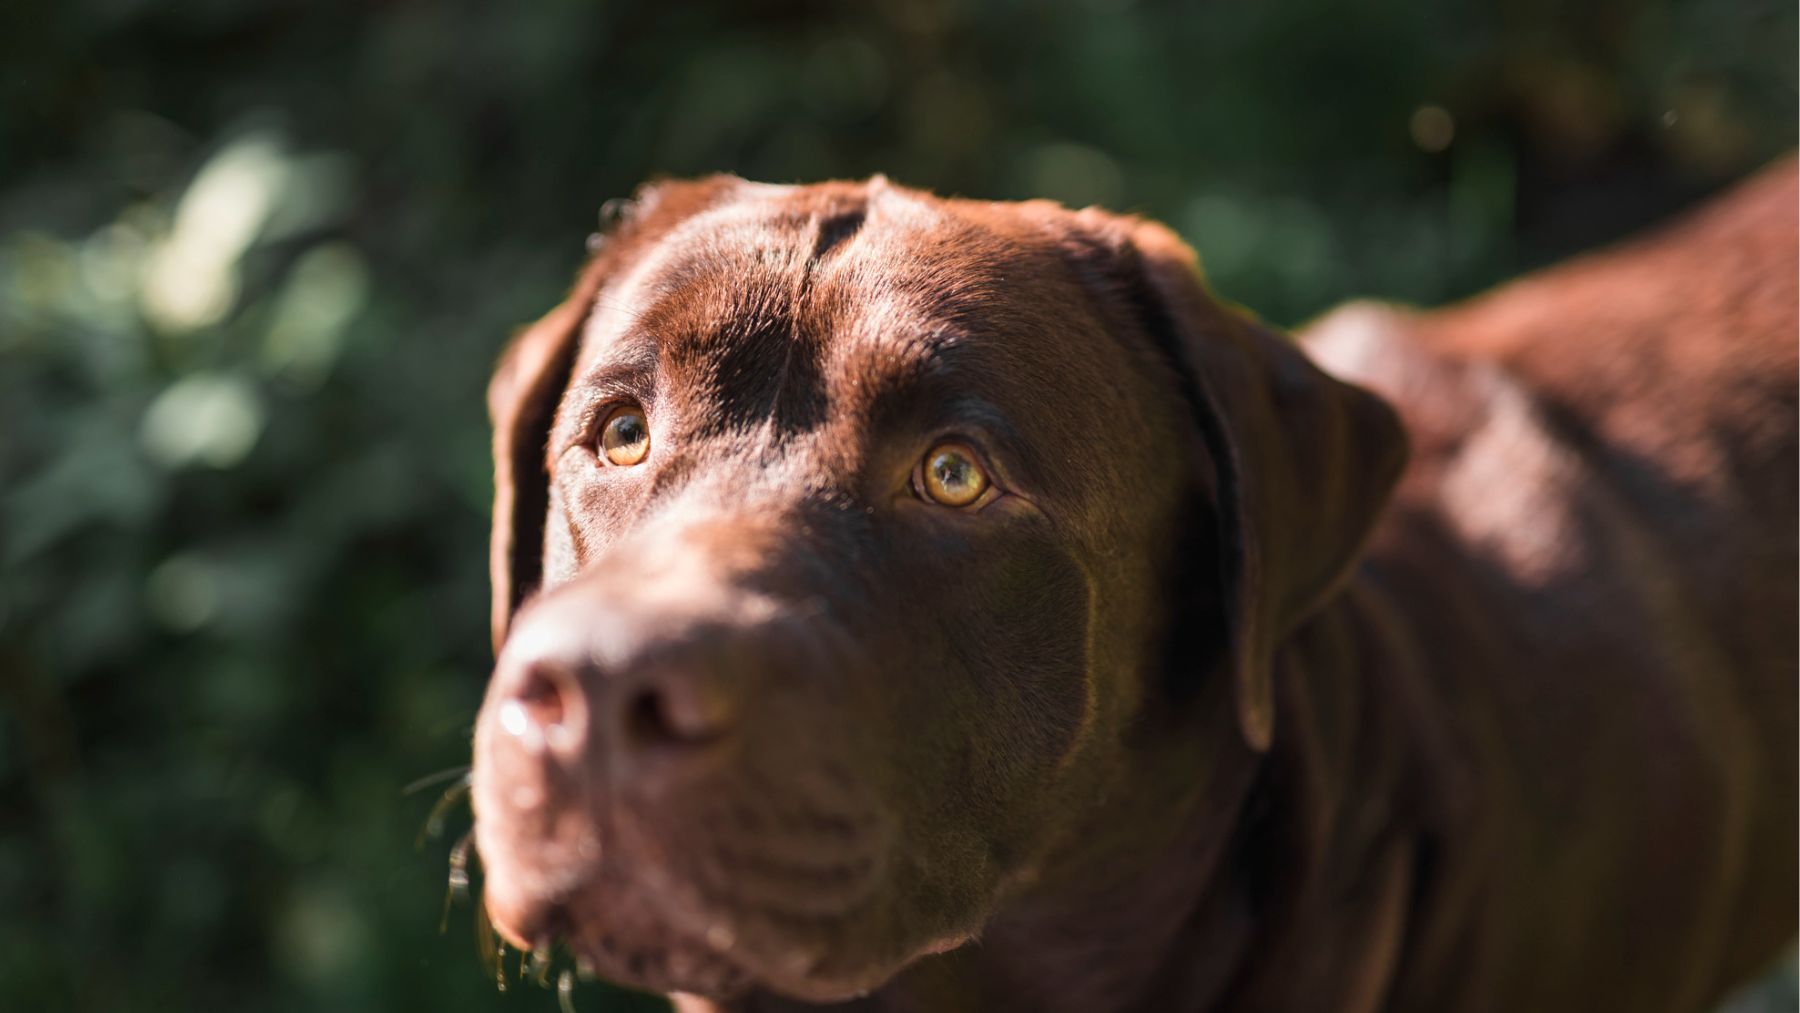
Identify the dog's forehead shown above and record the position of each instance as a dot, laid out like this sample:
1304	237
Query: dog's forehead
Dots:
856	270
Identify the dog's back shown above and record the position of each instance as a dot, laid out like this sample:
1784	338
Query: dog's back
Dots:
1604	486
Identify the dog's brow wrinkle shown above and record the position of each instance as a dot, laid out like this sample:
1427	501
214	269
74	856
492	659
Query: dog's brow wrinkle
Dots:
835	228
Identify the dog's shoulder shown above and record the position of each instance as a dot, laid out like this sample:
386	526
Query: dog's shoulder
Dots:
1489	461
1673	355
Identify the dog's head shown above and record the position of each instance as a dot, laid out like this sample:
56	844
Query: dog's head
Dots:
846	539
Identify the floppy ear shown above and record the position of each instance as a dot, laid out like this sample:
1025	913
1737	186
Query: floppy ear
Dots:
522	399
532	374
1305	462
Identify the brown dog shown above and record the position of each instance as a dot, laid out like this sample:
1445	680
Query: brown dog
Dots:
941	605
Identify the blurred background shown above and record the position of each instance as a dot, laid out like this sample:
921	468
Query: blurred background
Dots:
257	258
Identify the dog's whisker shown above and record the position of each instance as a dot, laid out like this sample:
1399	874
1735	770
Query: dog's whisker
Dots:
565	990
491	947
434	821
457	887
437	777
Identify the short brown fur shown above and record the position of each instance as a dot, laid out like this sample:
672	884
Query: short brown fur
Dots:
1228	703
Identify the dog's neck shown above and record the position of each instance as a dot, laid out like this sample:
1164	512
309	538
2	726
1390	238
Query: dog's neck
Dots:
1213	877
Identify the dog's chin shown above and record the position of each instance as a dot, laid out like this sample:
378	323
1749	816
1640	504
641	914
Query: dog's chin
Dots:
638	943
815	930
674	963
656	958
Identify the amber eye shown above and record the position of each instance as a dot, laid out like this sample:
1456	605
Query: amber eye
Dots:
952	476
625	436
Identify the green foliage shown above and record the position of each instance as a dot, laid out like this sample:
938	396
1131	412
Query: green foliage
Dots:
256	260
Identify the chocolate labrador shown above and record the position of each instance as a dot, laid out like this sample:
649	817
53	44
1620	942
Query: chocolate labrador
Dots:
942	605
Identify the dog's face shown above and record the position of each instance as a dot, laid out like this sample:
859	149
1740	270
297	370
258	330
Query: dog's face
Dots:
846	523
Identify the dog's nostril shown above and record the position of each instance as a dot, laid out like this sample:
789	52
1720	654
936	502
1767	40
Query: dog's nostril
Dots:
538	703
678	711
645	719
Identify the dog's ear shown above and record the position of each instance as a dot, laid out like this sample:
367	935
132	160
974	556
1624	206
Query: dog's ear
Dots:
533	371
522	397
1303	461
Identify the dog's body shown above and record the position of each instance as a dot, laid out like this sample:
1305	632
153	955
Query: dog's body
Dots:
1536	752
1584	599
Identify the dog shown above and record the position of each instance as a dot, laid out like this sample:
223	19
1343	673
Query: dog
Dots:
925	604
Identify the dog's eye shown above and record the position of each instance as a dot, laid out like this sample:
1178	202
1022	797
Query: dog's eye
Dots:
951	475
625	436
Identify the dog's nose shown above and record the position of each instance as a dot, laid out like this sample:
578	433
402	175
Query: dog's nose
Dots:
575	692
556	707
